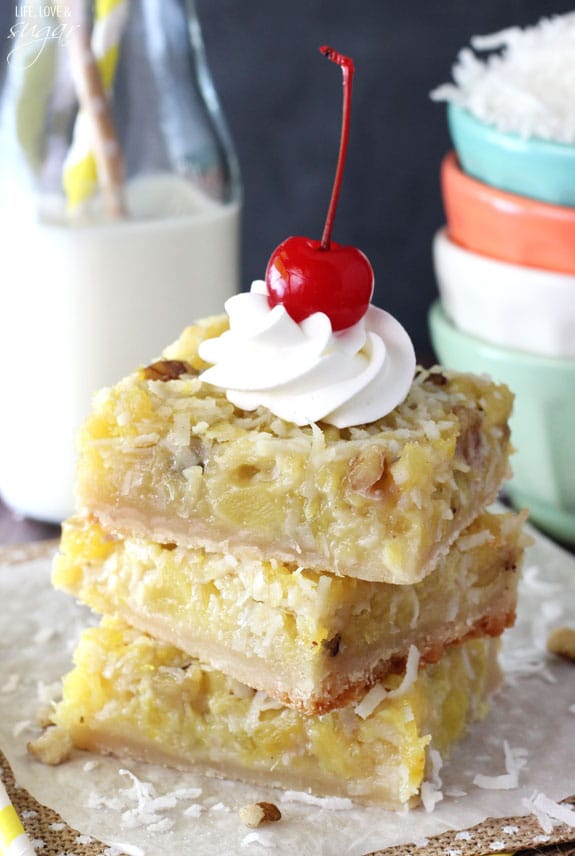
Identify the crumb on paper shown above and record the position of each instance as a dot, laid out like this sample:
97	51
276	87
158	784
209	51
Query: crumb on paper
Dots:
53	747
561	641
44	715
256	814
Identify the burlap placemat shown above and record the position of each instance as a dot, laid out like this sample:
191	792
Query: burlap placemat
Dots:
49	834
519	835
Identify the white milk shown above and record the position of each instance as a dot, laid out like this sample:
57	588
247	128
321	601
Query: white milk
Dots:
82	306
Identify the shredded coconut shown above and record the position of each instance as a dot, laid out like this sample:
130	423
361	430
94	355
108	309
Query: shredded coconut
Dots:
431	792
261	701
370	701
141	806
124	850
44	635
526	85
266	839
515	761
377	693
525	662
330	803
548	812
470	542
48	693
194	810
454	792
21	726
219	806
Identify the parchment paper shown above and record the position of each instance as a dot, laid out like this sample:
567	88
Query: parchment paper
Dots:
534	712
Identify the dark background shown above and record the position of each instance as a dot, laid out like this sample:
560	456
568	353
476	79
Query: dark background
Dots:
282	102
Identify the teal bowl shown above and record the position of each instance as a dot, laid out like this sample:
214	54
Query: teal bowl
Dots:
542	425
539	169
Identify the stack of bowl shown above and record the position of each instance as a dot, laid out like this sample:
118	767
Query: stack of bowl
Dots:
505	267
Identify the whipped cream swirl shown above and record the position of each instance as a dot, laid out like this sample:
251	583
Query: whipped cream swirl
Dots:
305	372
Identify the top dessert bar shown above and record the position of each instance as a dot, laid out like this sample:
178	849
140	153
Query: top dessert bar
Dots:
166	456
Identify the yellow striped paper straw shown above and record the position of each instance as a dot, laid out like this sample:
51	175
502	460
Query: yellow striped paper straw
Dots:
80	176
13	838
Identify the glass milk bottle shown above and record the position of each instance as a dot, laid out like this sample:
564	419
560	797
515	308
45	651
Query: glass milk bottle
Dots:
119	213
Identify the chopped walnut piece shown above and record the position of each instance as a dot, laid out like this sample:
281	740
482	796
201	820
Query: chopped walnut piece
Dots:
332	645
255	814
470	440
52	747
369	473
561	641
436	378
168	370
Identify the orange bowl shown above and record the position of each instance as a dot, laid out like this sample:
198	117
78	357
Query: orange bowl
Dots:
504	225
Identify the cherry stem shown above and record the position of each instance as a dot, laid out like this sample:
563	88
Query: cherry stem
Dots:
347	68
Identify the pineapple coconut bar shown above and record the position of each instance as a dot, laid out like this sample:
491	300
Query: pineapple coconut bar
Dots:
238	660
283	524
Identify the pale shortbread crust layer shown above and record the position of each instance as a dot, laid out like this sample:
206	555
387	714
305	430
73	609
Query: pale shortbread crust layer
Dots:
132	695
313	641
168	458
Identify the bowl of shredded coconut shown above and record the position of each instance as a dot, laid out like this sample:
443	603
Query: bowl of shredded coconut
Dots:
510	109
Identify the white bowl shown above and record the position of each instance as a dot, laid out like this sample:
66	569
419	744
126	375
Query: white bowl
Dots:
530	309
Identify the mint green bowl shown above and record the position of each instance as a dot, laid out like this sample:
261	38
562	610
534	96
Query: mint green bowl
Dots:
542	425
539	169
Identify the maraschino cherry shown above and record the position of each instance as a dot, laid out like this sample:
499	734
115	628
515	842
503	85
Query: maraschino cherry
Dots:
308	276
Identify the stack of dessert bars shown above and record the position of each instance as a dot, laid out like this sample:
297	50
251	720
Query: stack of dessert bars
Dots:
305	607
